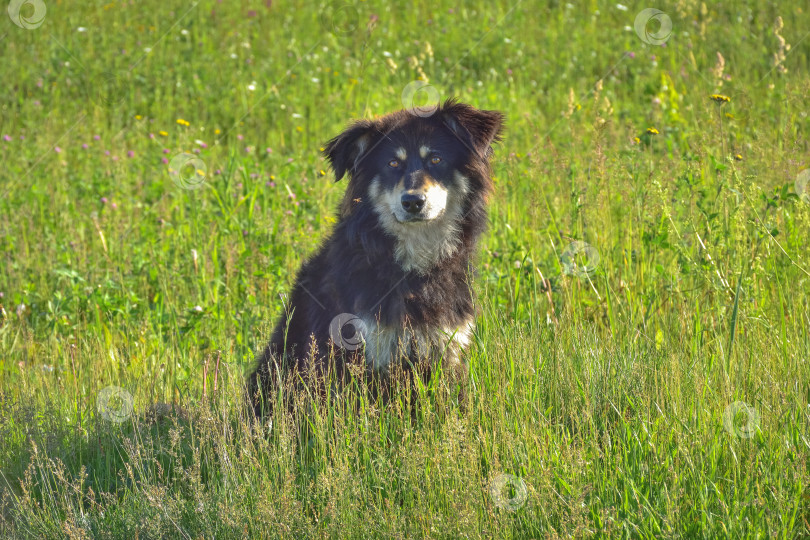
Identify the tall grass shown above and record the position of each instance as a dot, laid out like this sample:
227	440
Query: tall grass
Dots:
640	361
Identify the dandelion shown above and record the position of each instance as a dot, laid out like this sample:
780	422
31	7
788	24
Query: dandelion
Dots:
182	122
738	157
216	131
163	133
636	140
138	117
652	131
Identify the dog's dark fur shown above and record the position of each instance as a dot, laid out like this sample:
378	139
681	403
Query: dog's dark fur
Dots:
401	267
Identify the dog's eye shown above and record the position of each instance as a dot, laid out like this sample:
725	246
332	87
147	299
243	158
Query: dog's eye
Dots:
435	160
394	163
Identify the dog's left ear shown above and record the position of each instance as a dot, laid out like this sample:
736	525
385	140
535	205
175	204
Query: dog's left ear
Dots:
346	150
477	129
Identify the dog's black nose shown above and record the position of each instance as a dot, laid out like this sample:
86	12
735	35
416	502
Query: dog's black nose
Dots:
413	202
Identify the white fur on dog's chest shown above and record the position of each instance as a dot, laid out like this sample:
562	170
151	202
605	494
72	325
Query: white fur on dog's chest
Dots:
385	345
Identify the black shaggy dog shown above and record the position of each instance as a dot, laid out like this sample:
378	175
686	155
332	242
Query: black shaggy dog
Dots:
390	287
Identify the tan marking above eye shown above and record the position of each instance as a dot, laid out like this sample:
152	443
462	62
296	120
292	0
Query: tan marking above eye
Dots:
394	163
435	160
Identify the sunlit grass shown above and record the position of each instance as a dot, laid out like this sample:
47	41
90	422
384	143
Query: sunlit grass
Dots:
640	362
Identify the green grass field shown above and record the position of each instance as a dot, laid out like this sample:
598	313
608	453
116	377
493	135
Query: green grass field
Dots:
641	365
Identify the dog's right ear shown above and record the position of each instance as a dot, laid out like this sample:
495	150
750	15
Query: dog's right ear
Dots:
345	151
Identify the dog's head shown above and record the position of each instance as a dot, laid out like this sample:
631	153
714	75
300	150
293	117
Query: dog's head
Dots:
420	174
413	167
